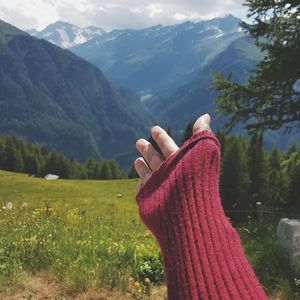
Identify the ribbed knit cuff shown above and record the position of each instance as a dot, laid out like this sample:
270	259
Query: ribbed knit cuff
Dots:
202	252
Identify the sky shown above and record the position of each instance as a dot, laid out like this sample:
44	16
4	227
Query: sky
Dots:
112	14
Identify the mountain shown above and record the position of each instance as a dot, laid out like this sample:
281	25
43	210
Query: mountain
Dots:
66	35
52	97
148	59
177	106
186	101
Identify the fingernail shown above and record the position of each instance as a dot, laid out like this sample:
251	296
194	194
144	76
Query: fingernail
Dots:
156	128
205	120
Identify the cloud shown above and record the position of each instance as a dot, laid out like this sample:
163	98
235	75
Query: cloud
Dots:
111	14
154	9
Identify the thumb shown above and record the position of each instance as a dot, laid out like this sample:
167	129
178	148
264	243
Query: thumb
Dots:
202	123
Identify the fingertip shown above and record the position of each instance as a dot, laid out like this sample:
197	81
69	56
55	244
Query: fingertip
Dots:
208	118
137	161
139	143
202	123
155	130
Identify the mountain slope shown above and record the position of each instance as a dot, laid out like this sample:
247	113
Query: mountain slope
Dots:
54	98
176	107
66	35
151	58
186	101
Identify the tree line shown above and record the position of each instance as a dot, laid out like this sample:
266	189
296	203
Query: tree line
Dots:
248	173
26	157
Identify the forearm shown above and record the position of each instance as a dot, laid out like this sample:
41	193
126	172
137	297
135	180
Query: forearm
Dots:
202	253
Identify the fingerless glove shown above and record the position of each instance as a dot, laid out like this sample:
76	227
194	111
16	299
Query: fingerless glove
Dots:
202	253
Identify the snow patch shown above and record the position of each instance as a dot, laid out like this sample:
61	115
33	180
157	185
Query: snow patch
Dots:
65	39
70	35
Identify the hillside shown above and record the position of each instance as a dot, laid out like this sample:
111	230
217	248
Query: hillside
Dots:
52	97
184	102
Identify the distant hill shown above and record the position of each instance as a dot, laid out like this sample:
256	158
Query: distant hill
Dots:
148	59
54	98
66	35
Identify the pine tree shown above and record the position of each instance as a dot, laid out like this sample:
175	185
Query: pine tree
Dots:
271	96
97	171
14	160
294	187
257	169
234	178
275	181
105	173
132	173
275	159
116	172
2	154
51	165
222	140
90	167
32	165
64	168
291	169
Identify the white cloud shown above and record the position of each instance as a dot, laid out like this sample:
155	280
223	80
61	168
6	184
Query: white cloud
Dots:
155	9
114	13
136	10
180	17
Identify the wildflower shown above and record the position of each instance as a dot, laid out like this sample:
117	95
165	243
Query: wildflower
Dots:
131	280
147	280
48	210
24	205
9	205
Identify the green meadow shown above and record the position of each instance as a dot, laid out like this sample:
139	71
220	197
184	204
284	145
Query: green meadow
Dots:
81	232
87	234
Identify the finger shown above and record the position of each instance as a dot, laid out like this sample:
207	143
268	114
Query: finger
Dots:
152	157
164	141
202	123
142	169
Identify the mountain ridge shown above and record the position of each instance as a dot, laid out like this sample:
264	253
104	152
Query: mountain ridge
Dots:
52	97
66	35
147	59
184	103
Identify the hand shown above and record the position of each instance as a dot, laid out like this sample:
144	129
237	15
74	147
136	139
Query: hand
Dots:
167	146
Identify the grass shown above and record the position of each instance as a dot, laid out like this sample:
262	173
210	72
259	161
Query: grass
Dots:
79	232
259	243
83	236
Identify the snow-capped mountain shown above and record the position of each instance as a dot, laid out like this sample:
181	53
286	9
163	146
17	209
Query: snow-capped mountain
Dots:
66	35
151	58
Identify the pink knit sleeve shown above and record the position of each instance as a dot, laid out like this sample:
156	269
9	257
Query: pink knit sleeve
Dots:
202	253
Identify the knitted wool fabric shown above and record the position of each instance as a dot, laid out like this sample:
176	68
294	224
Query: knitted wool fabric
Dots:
202	253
